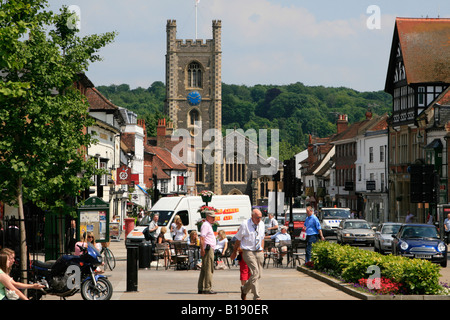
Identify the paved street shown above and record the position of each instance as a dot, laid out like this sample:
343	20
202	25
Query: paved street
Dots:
276	284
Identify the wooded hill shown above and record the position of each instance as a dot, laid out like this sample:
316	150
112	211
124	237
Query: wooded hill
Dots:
295	109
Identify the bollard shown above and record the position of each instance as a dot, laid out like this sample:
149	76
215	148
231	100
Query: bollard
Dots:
132	267
145	254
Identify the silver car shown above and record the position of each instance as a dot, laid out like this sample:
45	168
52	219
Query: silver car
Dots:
383	236
355	231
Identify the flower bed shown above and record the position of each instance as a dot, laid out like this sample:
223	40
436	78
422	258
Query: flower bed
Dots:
398	275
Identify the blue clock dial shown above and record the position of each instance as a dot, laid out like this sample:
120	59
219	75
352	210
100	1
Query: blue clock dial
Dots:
194	98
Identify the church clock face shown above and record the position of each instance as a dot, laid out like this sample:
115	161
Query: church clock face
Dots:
194	98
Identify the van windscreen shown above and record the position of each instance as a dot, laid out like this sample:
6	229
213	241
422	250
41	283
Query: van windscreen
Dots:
164	217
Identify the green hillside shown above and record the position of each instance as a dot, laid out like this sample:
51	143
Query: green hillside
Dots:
295	109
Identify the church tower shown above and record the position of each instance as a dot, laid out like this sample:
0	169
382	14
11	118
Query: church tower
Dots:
194	92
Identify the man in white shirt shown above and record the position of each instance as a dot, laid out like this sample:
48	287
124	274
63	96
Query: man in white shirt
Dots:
153	228
273	225
250	238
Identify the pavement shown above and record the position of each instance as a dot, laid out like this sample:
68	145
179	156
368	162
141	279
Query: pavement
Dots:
276	284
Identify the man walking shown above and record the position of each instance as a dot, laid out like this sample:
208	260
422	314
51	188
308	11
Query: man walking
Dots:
313	231
207	245
250	238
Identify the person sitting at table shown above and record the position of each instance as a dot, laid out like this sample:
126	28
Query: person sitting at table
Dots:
193	238
221	245
282	235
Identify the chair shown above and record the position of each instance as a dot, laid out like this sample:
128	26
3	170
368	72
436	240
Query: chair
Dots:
162	251
284	247
181	255
194	255
228	252
269	244
294	255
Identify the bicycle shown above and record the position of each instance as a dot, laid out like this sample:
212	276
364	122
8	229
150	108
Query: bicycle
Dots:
108	258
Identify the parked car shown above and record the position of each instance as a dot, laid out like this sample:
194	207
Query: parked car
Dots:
298	216
383	236
330	219
355	231
420	241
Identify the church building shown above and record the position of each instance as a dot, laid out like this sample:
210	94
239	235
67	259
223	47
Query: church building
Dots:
194	105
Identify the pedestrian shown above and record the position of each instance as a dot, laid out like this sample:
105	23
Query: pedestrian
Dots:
447	228
153	228
71	237
207	245
313	231
250	238
273	225
409	217
244	271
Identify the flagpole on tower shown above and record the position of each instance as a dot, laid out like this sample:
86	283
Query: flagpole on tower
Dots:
196	7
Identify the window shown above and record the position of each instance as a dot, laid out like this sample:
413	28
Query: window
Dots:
371	154
194	74
381	153
235	169
264	187
194	116
403	149
421	96
103	177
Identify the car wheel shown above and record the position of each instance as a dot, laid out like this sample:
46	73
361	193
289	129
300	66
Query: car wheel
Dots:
444	264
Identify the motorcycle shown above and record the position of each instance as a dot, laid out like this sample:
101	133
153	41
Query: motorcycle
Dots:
70	274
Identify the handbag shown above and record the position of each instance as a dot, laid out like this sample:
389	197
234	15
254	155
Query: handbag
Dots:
11	294
303	235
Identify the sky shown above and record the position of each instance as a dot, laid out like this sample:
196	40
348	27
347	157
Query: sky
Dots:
331	43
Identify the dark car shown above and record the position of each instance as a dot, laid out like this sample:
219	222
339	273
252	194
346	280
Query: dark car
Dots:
420	241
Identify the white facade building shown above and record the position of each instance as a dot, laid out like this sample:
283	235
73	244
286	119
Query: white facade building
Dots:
372	174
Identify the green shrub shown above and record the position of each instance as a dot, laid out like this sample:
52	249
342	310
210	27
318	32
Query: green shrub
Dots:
351	263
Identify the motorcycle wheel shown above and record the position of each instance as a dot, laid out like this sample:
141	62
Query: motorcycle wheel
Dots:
103	290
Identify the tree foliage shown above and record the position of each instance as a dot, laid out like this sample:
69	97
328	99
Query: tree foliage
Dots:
295	109
43	116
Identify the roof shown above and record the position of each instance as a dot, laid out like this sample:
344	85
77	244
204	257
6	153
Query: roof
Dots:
97	101
425	48
164	161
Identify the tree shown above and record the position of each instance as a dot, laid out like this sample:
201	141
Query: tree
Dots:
43	116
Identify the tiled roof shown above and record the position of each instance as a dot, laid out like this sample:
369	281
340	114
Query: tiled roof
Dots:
164	161
425	47
97	101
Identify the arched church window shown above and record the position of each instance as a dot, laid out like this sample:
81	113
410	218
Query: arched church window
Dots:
194	116
194	74
235	169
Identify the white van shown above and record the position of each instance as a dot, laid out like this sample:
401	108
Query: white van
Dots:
330	219
233	210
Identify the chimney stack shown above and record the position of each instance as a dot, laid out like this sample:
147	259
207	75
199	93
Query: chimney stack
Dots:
161	133
342	123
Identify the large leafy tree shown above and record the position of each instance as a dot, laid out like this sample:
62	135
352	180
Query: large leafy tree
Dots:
42	114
